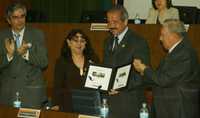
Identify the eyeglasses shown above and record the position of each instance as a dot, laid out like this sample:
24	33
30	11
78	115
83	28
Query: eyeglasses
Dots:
18	17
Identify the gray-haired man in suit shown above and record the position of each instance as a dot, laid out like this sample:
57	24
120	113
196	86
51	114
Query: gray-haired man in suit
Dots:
23	57
121	48
176	90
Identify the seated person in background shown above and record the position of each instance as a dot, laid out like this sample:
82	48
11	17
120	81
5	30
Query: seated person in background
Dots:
162	10
71	67
176	93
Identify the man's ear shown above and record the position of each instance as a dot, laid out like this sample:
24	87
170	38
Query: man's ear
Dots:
8	20
68	42
126	22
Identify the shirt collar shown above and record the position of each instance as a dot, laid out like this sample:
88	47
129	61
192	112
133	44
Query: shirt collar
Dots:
122	34
172	48
21	33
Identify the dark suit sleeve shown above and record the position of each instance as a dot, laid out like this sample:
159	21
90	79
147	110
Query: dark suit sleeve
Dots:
142	51
38	53
106	51
58	89
3	62
171	71
3	58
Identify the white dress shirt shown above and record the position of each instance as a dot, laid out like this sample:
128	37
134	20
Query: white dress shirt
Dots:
172	48
120	36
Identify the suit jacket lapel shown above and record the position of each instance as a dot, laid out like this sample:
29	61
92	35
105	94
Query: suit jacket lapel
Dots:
169	56
26	37
177	48
10	34
123	43
110	46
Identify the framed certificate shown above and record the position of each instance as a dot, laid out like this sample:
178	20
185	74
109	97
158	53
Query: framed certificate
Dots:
98	77
121	77
106	78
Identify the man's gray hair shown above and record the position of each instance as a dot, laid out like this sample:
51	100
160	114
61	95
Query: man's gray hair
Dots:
13	7
122	10
175	26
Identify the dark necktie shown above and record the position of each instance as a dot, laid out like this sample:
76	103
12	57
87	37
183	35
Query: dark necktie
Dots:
115	44
157	20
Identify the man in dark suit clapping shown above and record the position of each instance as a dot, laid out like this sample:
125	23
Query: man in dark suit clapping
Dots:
23	57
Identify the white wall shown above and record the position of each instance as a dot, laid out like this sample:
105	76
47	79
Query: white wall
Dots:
195	3
137	6
142	6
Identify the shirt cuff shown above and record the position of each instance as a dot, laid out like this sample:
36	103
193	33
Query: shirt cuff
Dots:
26	55
9	58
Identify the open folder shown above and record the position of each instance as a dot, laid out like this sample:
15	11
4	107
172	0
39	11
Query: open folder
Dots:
106	78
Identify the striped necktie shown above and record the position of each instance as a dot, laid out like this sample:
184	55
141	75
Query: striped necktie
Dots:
17	40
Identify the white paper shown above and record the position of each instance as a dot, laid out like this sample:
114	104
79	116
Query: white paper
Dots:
121	77
98	77
28	113
87	116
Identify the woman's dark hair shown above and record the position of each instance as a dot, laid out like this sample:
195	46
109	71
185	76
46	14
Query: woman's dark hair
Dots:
168	2
88	52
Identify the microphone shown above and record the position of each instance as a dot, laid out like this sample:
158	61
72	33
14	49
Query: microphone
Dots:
99	94
47	104
90	78
99	87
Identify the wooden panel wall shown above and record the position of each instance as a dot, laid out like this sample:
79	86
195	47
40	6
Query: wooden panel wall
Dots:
57	11
55	34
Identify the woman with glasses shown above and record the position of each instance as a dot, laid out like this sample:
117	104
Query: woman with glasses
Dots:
71	67
162	10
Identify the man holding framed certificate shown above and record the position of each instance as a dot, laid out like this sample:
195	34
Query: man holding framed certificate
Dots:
120	49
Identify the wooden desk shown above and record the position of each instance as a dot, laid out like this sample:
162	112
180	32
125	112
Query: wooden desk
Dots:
9	112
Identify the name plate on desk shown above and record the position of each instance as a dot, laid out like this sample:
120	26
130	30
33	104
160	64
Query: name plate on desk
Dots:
87	116
99	27
28	113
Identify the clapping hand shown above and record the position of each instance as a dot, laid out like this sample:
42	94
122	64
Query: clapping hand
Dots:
23	48
10	47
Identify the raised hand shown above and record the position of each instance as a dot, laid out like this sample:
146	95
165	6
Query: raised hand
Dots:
113	92
23	48
10	47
